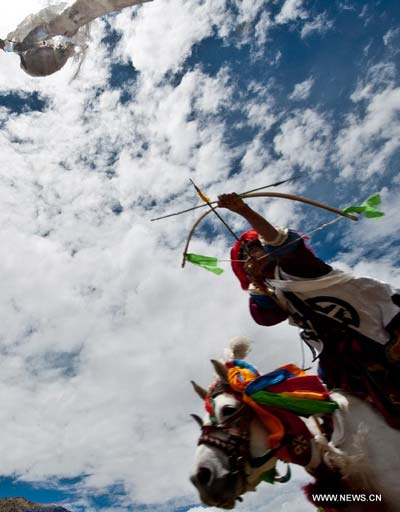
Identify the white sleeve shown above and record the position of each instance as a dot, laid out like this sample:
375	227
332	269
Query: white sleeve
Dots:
280	238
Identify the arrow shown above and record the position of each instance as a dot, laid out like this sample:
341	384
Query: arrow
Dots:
215	202
207	201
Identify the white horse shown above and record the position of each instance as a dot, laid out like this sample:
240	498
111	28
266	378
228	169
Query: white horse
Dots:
359	460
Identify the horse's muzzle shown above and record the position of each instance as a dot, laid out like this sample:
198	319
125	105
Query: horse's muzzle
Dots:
221	492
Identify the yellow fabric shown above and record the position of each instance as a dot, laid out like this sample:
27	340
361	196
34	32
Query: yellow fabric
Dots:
238	379
303	394
292	368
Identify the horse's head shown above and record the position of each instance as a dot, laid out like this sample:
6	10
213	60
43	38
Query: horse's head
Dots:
252	421
233	452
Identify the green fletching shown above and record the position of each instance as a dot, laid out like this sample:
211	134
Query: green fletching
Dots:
367	208
301	406
373	200
207	262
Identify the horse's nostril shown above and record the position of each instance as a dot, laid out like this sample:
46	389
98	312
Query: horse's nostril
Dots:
203	476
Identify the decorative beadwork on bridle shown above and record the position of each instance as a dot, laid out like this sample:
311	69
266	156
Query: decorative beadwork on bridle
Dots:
232	437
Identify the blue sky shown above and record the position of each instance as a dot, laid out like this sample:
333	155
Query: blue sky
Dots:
64	494
101	329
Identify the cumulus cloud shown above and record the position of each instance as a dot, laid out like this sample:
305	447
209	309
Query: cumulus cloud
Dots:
367	239
290	11
140	41
303	139
99	321
391	37
302	90
370	139
319	25
101	329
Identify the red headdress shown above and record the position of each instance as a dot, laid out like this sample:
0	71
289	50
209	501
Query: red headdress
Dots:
237	254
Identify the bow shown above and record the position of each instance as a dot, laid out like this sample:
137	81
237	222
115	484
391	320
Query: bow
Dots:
280	195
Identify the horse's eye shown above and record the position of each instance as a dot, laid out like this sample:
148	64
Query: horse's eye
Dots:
228	410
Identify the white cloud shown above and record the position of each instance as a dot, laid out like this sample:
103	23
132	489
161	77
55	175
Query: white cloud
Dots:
180	25
291	10
319	24
375	236
391	38
262	28
255	158
383	270
177	24
302	90
304	140
260	115
369	140
101	330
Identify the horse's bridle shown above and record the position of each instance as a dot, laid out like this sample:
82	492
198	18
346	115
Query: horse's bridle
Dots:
236	441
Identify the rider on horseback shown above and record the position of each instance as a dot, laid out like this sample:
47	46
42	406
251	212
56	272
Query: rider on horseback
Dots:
351	324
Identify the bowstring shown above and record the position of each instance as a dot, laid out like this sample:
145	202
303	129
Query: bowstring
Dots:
305	235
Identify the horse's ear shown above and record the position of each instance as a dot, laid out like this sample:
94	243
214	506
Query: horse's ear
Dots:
221	370
197	419
199	390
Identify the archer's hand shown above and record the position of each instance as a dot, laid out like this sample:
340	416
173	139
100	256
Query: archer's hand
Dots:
232	202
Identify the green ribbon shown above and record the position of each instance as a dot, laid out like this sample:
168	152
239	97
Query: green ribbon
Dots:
207	262
367	208
301	406
269	476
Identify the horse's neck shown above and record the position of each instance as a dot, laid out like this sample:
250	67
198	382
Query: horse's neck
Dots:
362	448
362	456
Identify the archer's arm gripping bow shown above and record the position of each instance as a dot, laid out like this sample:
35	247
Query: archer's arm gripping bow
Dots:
279	195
